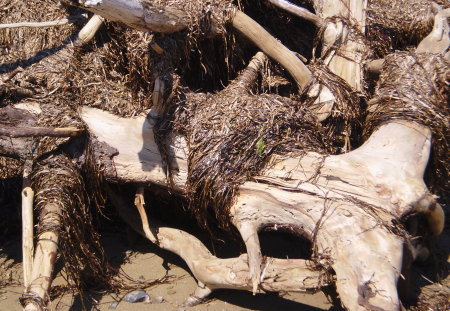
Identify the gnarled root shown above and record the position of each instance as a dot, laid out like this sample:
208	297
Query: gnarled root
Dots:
214	273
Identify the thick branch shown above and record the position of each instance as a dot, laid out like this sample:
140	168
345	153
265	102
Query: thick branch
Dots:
214	273
40	131
297	10
272	48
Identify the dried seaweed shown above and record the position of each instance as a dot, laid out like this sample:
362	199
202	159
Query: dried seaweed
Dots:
23	46
57	180
230	137
415	87
343	127
397	24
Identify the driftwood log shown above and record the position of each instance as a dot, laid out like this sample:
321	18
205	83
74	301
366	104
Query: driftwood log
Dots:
346	204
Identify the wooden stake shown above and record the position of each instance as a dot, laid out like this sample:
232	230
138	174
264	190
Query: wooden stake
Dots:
140	203
44	259
27	225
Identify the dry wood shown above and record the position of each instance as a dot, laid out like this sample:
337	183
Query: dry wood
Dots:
272	48
297	10
344	48
214	273
59	22
138	14
139	202
27	225
386	174
40	131
44	260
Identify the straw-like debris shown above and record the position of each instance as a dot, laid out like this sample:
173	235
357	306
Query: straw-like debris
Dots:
396	24
230	137
23	46
344	125
423	97
58	181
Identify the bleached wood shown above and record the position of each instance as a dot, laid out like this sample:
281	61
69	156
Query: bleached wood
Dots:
27	234
272	48
297	10
214	273
386	173
138	14
59	22
347	60
44	259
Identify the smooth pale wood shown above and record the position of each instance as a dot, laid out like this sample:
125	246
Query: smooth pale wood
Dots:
386	172
27	234
44	258
138	14
59	22
297	10
349	66
272	48
139	202
215	273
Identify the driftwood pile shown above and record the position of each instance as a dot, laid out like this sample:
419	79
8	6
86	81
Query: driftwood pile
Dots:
325	119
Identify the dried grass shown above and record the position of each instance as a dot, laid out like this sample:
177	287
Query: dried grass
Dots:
58	180
22	46
397	24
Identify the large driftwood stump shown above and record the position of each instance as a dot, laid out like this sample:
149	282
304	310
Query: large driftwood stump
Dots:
350	206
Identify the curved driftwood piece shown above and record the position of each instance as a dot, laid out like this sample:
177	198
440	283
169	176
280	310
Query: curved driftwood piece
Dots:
297	10
214	273
345	204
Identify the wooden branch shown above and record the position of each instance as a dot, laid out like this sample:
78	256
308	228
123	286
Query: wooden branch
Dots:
40	131
298	11
214	273
139	14
44	260
27	225
59	22
272	48
139	202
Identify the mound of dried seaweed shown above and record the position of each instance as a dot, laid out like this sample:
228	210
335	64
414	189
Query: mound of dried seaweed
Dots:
22	46
396	24
230	137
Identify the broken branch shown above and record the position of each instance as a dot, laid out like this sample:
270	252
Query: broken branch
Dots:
298	11
40	131
59	22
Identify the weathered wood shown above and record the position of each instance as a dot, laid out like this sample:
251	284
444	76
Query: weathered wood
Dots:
272	48
139	14
299	11
214	273
343	39
44	260
27	225
59	22
40	131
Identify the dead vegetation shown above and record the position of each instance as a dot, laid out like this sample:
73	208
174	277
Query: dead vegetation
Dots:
251	143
